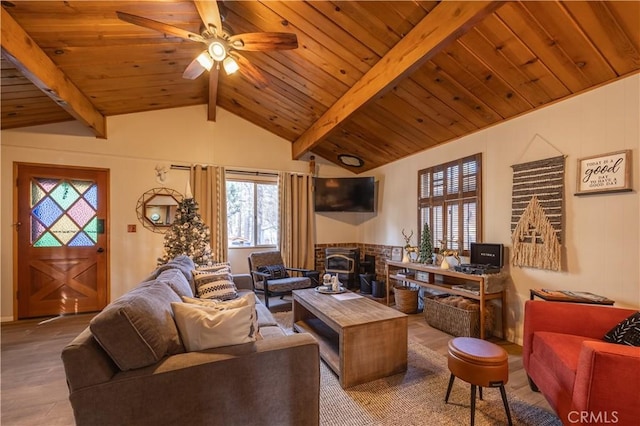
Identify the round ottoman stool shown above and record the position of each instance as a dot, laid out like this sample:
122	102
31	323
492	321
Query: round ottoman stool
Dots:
479	363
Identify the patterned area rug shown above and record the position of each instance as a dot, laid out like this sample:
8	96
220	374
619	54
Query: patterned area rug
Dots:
415	397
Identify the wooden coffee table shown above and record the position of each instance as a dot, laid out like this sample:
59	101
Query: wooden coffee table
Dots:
360	340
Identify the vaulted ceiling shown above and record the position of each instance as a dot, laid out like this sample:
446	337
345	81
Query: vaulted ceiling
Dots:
380	80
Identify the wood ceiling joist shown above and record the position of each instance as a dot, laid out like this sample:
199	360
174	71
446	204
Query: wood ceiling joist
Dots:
447	22
23	52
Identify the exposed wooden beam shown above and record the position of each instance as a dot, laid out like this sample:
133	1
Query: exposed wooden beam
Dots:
20	49
444	24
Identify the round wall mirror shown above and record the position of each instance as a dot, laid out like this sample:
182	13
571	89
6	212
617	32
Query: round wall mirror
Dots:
157	208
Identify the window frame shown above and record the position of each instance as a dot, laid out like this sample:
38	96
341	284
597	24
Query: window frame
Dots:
460	198
257	179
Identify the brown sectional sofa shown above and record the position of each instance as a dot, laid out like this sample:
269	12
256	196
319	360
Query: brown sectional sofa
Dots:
130	366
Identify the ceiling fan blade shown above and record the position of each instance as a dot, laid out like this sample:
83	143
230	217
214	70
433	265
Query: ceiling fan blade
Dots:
159	26
210	15
194	70
213	92
249	71
264	41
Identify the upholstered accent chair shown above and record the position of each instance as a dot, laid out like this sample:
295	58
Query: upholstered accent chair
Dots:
272	278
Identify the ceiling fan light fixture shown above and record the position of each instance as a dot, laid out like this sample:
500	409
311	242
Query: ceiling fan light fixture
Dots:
217	51
230	65
205	60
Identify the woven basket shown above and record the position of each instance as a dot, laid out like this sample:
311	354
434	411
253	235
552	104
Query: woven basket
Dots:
456	321
406	299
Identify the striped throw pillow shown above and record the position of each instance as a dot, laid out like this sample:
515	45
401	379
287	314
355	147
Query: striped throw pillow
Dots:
214	285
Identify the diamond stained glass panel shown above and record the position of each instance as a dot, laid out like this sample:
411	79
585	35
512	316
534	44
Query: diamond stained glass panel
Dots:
47	184
36	229
65	229
92	196
37	194
81	240
92	229
65	195
81	185
47	211
47	240
81	212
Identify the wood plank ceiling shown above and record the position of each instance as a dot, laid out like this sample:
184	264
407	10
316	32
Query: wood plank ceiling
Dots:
328	97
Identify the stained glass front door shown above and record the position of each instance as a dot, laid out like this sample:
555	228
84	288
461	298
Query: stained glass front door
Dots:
62	242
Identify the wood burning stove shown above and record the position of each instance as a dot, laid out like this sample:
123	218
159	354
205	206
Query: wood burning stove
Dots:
344	261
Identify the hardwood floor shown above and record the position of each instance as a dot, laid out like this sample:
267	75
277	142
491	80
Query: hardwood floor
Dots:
34	391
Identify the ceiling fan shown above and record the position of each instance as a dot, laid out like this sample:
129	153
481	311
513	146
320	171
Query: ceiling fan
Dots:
221	47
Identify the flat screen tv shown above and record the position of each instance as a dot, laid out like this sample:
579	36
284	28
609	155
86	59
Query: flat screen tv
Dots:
345	194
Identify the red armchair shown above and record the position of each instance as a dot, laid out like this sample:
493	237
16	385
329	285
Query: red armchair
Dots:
585	379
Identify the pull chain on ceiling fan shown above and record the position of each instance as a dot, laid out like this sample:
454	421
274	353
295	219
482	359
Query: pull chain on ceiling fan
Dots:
221	47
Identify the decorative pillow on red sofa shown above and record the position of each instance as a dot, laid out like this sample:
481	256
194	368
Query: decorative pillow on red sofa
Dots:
627	332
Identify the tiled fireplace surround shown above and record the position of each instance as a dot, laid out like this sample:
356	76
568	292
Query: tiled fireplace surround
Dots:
381	252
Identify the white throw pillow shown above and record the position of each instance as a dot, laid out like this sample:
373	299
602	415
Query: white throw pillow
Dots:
248	299
205	327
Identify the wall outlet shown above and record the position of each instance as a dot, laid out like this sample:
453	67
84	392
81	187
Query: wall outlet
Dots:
131	228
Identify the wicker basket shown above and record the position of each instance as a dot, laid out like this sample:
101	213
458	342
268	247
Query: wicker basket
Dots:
456	321
406	299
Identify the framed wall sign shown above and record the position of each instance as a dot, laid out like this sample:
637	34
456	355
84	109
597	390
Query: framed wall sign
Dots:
604	173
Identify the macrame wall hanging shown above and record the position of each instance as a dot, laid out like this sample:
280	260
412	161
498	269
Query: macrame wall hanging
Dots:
537	213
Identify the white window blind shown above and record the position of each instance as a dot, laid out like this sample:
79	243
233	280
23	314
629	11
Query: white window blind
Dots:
449	200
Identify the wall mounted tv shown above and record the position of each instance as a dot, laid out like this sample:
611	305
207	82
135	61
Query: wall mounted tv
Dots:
345	194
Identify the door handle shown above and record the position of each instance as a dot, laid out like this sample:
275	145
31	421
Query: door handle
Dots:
100	250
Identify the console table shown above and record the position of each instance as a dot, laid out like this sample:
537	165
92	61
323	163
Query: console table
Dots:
392	273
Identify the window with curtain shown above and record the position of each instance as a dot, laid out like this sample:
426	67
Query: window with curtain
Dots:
252	210
449	201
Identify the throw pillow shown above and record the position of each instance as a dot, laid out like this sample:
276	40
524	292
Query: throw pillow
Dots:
205	327
249	299
627	332
214	285
216	267
276	271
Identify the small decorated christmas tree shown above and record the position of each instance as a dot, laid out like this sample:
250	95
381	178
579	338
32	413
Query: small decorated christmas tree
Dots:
426	245
187	235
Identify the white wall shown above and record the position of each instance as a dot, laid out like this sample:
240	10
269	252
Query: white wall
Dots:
601	249
136	144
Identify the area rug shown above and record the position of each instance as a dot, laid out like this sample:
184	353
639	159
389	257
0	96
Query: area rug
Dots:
415	397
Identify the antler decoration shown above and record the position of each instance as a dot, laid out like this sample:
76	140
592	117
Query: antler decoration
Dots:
407	239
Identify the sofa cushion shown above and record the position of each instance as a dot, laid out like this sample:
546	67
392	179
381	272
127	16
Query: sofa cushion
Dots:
175	279
271	332
561	353
214	285
184	264
626	332
138	329
205	327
